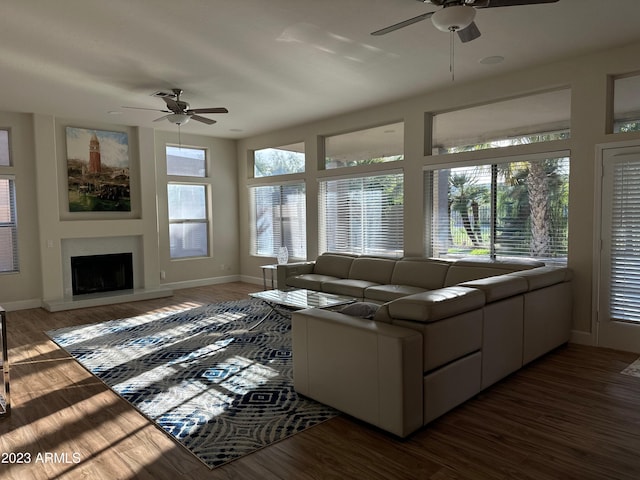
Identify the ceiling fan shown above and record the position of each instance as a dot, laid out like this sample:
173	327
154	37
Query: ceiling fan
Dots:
457	16
180	112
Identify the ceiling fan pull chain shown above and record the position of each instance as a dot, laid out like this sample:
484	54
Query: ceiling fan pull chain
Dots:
451	54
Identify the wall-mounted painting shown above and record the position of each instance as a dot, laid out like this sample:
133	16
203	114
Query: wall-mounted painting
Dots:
98	170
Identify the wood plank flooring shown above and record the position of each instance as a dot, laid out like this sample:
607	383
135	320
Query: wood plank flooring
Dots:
569	415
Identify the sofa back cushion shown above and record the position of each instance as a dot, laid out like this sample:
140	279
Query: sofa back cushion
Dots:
472	269
333	264
424	273
376	270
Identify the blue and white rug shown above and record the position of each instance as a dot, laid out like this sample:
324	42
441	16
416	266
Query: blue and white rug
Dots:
220	389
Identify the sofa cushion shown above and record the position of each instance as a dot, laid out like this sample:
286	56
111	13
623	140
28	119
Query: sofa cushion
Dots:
310	281
544	276
334	265
498	287
472	269
425	273
376	270
436	304
347	287
386	293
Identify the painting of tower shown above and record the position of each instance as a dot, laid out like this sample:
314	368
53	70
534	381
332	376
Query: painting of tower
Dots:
95	164
98	170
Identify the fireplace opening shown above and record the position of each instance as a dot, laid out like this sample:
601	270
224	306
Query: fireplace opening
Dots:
101	273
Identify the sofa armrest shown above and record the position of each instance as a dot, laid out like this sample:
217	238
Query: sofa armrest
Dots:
369	370
286	270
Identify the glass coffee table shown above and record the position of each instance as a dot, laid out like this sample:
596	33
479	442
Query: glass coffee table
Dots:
284	301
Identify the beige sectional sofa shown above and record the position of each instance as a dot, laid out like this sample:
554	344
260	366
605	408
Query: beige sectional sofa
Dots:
438	332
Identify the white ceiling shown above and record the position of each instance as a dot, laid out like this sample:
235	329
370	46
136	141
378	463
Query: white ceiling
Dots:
272	63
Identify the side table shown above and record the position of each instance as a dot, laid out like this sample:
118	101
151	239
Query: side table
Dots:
5	402
265	269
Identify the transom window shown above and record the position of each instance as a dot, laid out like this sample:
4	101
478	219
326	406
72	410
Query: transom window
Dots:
542	117
364	147
283	160
626	104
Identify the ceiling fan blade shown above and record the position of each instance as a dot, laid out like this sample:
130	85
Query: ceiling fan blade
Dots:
403	24
209	110
198	118
470	33
172	104
513	3
141	108
162	118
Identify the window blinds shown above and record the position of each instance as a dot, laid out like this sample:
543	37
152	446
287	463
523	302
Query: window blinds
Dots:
279	220
362	215
515	209
8	227
624	240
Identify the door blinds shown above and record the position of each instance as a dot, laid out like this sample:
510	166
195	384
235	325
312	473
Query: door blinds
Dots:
624	240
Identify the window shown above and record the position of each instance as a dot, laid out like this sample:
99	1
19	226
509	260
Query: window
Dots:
362	215
5	157
279	220
187	203
187	162
364	147
8	227
283	160
626	104
8	218
542	117
516	209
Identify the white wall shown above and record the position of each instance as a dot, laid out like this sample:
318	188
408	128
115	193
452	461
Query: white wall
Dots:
47	230
222	264
588	78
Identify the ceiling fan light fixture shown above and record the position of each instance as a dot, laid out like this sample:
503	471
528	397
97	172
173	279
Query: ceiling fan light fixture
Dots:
453	18
178	118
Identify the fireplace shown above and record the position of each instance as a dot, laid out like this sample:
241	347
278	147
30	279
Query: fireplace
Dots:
101	273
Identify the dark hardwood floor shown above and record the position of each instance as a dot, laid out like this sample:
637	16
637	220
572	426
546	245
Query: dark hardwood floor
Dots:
568	415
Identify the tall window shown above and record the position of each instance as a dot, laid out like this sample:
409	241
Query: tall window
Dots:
8	218
187	196
516	209
8	227
279	220
362	215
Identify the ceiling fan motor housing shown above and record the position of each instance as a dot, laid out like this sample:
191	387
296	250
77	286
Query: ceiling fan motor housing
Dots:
453	18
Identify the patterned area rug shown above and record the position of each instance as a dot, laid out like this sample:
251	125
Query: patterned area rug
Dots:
633	369
220	389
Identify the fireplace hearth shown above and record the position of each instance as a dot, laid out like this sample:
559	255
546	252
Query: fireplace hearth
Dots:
101	273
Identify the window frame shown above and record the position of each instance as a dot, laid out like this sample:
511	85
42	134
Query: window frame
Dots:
491	161
203	181
362	249
294	253
12	224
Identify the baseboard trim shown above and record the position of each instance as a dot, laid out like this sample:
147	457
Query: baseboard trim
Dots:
582	338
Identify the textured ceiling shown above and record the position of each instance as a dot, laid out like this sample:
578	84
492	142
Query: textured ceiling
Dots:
272	64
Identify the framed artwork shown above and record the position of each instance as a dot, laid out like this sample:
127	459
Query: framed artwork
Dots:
98	170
